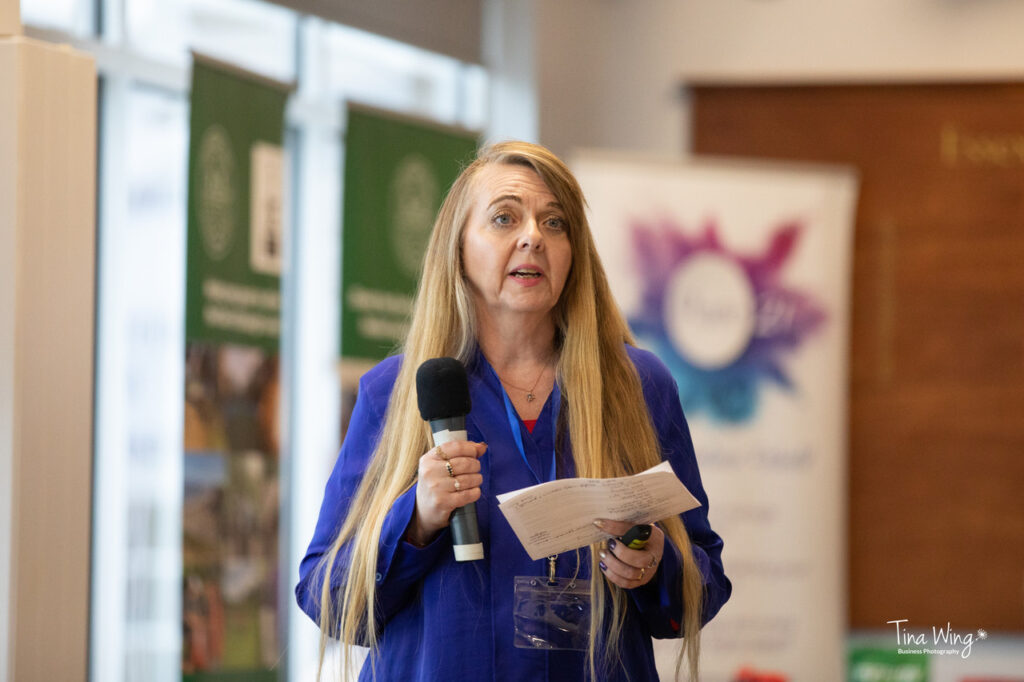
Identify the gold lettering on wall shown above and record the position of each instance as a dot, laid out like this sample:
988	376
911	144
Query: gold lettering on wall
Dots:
1002	150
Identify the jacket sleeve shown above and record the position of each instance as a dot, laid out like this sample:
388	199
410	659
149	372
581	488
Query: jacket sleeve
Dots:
400	565
660	601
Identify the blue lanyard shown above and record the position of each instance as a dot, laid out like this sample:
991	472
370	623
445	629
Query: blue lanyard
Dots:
517	434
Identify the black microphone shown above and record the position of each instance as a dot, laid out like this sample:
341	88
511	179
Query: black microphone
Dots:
442	393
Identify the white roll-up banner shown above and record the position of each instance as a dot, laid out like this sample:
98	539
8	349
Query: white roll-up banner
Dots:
738	276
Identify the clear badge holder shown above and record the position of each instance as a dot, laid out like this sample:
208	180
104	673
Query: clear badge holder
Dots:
551	613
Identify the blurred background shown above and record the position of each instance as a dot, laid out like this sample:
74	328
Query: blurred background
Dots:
921	101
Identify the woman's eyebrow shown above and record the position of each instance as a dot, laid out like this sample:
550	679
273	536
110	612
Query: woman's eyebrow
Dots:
505	197
518	200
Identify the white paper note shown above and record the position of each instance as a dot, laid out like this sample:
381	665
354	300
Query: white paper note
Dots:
555	517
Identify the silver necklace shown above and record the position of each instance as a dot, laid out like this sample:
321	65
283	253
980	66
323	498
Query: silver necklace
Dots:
529	394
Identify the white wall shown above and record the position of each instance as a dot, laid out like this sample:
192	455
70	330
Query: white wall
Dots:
609	71
608	75
508	53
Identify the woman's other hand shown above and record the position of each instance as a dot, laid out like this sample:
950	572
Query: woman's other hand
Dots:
449	478
629	568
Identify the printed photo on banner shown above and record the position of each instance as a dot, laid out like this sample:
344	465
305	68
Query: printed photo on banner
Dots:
236	243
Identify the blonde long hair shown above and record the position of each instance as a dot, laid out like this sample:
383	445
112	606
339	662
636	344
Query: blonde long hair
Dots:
606	441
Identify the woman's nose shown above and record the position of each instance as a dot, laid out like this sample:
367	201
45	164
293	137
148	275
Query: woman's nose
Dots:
531	238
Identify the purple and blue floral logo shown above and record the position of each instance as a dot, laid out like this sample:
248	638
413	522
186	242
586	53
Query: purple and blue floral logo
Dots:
722	321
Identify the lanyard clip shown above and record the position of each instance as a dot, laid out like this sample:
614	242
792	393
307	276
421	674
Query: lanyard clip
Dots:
551	569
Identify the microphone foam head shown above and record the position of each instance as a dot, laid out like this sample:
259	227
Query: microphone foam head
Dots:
442	390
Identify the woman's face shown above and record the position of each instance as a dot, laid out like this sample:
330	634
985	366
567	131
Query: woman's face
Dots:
515	247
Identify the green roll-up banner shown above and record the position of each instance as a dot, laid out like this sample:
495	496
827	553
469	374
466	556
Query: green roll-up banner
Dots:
235	200
397	173
231	623
885	664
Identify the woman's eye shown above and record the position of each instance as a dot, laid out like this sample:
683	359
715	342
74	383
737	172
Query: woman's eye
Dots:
502	219
556	223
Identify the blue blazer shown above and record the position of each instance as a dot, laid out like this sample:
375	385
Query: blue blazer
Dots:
446	620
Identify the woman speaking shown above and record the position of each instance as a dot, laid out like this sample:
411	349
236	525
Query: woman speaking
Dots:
513	288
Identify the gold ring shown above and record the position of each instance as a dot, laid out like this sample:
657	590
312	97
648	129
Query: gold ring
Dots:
448	466
642	571
458	486
440	452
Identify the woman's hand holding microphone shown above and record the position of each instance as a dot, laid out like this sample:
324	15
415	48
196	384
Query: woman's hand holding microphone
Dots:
449	478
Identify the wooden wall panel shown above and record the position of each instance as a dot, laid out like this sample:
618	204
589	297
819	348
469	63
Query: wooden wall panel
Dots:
937	341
